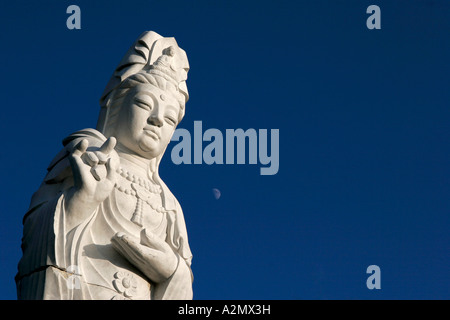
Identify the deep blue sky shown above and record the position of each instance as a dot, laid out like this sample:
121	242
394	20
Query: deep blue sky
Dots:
364	136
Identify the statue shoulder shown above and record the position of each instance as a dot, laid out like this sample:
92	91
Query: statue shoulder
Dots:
59	172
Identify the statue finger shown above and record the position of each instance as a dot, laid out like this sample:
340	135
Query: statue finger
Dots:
123	235
80	148
120	247
108	146
152	241
90	158
98	172
79	168
111	166
102	158
119	244
129	248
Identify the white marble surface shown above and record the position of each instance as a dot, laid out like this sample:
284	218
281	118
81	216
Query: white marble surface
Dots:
103	225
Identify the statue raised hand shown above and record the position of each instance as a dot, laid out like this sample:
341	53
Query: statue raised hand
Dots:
94	174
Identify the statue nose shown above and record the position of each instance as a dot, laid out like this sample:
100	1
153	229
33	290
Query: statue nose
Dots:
155	120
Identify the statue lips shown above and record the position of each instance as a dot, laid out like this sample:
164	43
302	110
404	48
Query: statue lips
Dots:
152	133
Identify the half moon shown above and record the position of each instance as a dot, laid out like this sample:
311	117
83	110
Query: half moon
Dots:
216	193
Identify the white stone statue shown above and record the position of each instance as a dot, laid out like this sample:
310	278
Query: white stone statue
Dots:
103	225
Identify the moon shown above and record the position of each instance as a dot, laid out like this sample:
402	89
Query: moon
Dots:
216	193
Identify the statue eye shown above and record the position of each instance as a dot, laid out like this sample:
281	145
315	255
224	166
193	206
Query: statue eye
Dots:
143	103
170	120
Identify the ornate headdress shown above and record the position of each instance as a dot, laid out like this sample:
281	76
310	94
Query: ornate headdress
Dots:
163	66
153	54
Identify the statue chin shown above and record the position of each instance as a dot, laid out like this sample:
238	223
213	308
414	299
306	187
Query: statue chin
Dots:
149	148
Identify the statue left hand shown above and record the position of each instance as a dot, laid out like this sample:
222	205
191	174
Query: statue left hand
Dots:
153	256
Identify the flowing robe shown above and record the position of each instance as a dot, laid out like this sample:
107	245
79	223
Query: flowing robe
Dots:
81	263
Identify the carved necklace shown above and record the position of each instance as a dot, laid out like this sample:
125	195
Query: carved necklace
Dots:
143	190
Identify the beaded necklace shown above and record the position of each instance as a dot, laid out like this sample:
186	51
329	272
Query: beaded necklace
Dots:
143	190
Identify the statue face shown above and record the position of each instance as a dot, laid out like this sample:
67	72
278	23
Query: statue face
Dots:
147	120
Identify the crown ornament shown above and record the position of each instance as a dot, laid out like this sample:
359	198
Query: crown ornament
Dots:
163	66
154	54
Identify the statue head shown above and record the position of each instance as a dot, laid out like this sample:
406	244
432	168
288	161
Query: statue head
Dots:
143	110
